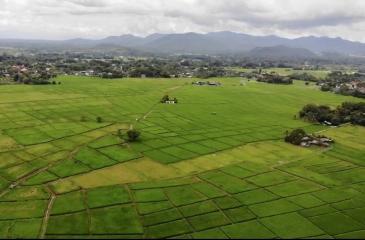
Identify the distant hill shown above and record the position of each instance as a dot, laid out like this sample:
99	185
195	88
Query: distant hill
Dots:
184	43
210	43
281	52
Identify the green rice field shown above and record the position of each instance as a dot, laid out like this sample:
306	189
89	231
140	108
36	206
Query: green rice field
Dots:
320	74
212	166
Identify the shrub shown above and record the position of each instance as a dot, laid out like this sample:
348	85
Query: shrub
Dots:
165	99
133	135
296	136
120	133
325	88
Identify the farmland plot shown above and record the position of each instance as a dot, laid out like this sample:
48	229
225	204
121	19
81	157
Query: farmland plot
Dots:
213	165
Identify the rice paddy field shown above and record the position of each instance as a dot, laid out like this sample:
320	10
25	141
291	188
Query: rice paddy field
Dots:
212	166
320	74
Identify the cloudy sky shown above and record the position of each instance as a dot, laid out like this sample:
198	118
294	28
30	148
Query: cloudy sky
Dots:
63	19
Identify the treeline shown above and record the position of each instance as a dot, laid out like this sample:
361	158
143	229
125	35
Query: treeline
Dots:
35	78
347	112
303	77
274	78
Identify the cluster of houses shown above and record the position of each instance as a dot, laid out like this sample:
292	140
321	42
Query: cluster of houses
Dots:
4	73
312	140
352	86
207	83
13	69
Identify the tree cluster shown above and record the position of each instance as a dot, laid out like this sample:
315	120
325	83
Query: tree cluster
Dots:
300	137
295	137
274	78
347	112
166	98
303	76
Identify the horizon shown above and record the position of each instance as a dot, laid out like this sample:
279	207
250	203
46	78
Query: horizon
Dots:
177	33
95	19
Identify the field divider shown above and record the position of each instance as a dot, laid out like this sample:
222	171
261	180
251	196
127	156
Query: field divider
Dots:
47	214
177	208
134	204
40	170
72	135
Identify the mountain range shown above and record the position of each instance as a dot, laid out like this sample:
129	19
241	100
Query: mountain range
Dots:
209	43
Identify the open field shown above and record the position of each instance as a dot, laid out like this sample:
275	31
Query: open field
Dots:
320	74
213	165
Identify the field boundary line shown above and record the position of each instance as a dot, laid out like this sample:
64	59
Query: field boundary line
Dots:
47	214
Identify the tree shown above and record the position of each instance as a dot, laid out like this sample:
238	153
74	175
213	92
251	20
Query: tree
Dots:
296	136
165	98
99	120
133	135
120	133
325	88
315	113
348	112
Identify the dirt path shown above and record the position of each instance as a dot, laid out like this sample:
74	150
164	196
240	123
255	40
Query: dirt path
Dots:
174	88
47	214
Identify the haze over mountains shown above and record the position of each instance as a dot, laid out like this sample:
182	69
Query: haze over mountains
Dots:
210	43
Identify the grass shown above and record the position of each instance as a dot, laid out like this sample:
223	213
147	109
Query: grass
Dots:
115	220
184	195
213	165
22	209
274	208
76	223
208	220
198	208
228	183
149	195
299	226
239	214
161	217
271	178
68	203
249	230
294	188
93	158
27	228
336	223
106	196
255	196
170	229
119	154
151	207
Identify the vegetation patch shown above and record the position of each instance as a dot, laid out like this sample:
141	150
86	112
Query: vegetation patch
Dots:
106	196
251	229
115	220
348	112
291	225
68	203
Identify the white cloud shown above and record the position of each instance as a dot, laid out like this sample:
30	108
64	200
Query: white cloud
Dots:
55	19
